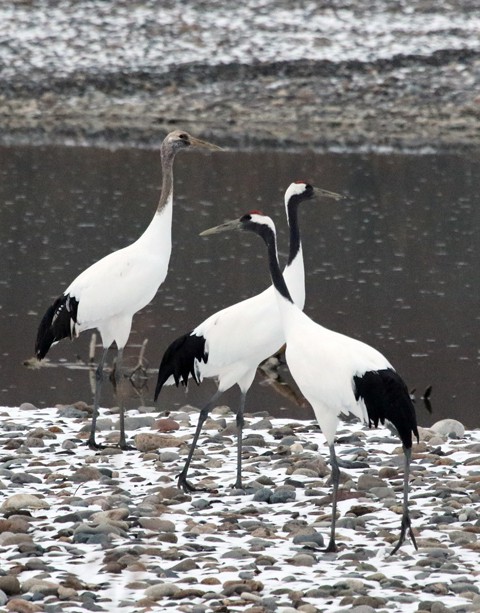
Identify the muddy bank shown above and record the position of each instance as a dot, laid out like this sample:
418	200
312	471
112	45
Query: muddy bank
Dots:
403	103
330	74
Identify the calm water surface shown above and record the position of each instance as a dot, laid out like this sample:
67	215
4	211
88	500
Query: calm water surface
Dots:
396	264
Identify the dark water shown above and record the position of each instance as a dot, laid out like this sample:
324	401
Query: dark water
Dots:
397	264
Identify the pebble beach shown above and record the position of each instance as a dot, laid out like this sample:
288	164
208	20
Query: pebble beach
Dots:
110	530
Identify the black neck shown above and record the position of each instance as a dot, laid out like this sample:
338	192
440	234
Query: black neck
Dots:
276	274
295	242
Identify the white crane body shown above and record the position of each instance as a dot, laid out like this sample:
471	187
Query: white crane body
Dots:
230	344
112	290
336	374
108	293
253	333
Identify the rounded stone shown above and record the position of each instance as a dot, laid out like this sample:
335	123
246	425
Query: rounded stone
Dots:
10	585
27	406
19	605
263	495
23	501
367	482
157	524
284	493
302	559
146	441
166	424
162	590
449	427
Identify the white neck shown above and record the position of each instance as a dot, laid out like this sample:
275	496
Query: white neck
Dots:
158	235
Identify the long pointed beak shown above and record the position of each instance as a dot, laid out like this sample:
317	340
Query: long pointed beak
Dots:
324	192
196	142
235	224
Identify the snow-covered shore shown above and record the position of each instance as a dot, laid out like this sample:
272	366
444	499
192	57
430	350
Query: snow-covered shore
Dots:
110	531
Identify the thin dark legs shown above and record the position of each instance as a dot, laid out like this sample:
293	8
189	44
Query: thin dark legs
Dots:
240	421
332	546
99	376
122	443
406	523
240	424
182	477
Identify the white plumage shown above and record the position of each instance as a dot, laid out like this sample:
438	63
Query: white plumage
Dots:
108	293
337	374
231	343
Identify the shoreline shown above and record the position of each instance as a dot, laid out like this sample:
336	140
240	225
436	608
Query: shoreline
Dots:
405	104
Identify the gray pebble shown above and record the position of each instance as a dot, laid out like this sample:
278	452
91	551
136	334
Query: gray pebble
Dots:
104	424
459	587
27	406
302	559
283	494
68	445
136	422
254	440
313	537
72	412
23	478
383	492
367	482
263	495
201	503
168	456
237	553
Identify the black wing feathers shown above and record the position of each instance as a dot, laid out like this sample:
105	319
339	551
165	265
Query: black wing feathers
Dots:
56	324
386	397
179	360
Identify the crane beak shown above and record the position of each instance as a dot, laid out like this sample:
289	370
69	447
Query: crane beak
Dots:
235	224
324	192
196	142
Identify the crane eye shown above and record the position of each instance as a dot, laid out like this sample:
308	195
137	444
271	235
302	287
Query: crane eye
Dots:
183	136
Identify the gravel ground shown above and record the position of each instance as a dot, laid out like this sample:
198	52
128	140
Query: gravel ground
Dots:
110	531
324	75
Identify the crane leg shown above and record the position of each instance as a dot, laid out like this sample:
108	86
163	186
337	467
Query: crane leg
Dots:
182	477
406	523
240	424
99	375
332	546
122	443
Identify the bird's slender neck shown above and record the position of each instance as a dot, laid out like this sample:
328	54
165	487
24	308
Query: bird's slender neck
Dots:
167	157
276	274
295	241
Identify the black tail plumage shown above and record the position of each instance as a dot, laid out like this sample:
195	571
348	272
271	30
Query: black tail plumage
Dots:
179	361
386	397
56	324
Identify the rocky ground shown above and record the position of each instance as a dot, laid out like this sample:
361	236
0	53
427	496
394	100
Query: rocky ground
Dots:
323	75
110	531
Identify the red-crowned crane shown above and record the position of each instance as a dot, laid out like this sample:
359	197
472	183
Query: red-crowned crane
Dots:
107	295
231	343
337	374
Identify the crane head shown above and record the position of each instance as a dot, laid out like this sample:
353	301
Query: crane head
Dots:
179	139
301	190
